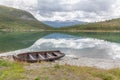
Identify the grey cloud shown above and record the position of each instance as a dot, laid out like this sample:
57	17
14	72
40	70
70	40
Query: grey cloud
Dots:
84	5
47	9
95	6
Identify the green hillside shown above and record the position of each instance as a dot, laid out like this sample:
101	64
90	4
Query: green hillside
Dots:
15	19
108	25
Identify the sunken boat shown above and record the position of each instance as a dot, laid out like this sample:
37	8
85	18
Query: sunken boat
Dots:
39	56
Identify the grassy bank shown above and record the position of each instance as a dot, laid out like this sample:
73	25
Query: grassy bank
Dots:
11	70
49	71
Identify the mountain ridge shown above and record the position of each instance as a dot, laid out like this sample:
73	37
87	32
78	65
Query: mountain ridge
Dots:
59	24
108	25
18	20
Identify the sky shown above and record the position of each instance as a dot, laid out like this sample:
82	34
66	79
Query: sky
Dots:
63	10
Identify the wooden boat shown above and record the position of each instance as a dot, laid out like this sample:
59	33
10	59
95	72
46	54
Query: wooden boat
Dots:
39	56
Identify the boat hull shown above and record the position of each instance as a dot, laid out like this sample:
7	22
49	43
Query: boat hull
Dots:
32	57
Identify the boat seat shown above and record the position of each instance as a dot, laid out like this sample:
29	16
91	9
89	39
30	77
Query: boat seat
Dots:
50	56
41	56
31	57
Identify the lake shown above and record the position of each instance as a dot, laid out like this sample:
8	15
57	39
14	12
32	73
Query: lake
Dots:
91	45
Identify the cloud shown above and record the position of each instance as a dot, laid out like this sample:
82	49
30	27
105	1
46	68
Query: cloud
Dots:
82	10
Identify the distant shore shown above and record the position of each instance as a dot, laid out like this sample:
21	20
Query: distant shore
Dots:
58	30
85	30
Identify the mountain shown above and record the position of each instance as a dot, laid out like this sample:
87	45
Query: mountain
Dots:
15	19
108	25
58	24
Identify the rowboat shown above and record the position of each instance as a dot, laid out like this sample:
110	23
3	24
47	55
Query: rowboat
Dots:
39	56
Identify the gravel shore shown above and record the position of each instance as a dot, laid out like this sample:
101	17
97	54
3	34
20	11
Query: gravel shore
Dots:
80	61
90	62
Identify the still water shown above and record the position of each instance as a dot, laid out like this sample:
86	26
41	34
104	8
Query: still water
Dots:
76	46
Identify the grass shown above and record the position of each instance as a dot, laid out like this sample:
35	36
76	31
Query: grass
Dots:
67	72
17	71
11	70
4	63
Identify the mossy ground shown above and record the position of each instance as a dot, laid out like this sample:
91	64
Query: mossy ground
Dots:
50	71
11	70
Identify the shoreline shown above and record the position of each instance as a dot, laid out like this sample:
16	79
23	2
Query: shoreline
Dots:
57	30
114	31
80	61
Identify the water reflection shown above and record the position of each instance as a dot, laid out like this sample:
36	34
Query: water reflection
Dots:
71	45
109	36
10	41
78	46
